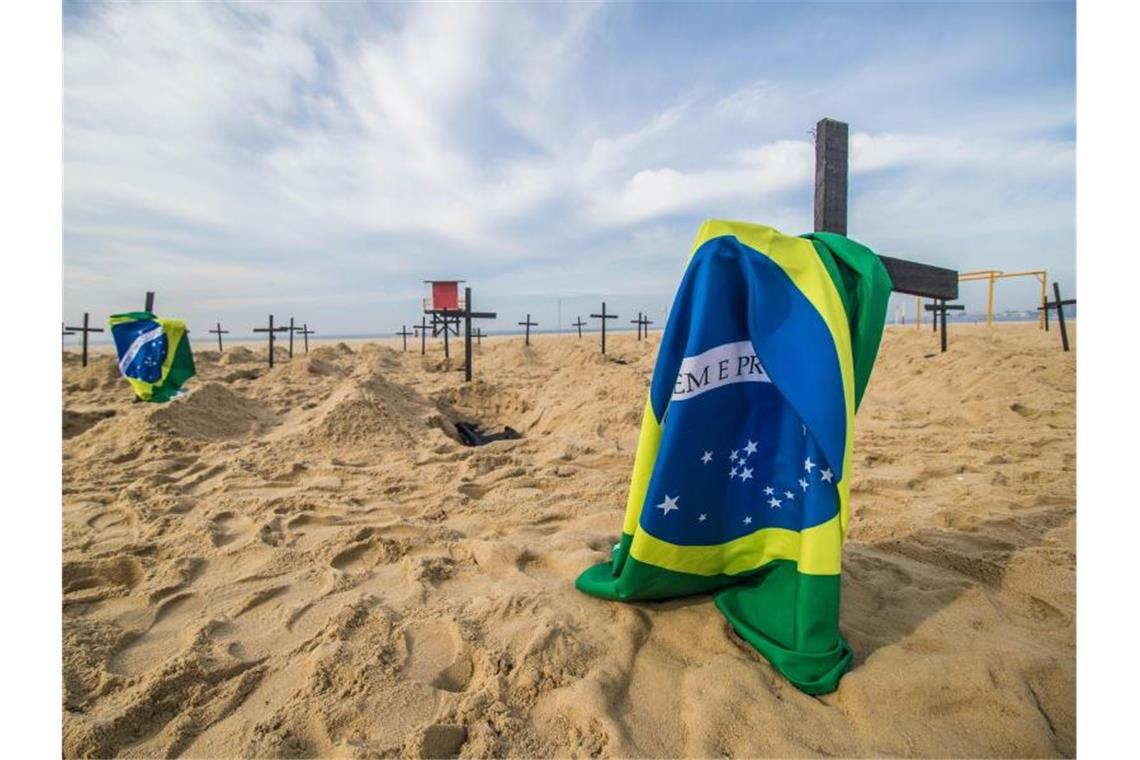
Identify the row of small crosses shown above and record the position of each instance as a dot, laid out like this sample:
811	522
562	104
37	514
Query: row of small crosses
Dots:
744	473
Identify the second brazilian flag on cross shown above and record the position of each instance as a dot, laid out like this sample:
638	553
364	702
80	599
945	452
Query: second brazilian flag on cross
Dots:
742	474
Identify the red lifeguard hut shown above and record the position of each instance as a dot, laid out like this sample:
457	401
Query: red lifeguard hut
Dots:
444	297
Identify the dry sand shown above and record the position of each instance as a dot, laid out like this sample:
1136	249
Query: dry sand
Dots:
305	562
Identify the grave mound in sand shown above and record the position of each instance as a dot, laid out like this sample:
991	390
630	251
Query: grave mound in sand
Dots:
238	355
213	411
377	411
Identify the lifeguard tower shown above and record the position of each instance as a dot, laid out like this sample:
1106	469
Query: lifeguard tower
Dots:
445	306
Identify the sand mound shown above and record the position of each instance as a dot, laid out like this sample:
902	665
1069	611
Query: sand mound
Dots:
213	411
239	355
339	577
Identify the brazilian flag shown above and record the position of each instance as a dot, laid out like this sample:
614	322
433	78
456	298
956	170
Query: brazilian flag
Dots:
742	476
154	354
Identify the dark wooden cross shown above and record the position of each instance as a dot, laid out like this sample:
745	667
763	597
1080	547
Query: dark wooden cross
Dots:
292	329
642	323
579	324
528	324
219	332
479	335
1059	305
272	331
831	216
603	316
422	329
149	301
468	315
306	332
942	307
85	329
404	332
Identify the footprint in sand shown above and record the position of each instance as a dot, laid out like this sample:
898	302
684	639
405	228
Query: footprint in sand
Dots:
143	651
228	527
436	656
111	529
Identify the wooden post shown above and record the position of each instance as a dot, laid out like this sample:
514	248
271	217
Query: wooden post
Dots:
579	324
149	301
831	176
603	316
219	332
85	330
990	303
404	332
272	331
528	325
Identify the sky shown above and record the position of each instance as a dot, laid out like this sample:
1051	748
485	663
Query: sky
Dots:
320	161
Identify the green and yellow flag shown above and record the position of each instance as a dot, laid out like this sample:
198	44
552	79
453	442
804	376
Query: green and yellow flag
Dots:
742	476
154	354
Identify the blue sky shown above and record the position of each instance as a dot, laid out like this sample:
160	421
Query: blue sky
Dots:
319	161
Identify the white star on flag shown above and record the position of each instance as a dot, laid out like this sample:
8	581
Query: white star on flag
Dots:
769	491
747	520
702	518
750	448
791	496
805	428
735	453
803	484
826	474
808	464
669	505
746	474
707	457
732	473
774	503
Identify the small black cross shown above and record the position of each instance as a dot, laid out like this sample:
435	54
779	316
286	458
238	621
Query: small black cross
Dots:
578	324
404	332
528	325
66	332
468	315
479	335
603	316
641	322
219	332
942	307
292	330
85	329
306	332
422	328
1059	305
272	330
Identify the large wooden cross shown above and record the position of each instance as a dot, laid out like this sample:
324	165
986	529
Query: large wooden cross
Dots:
404	333
941	307
1059	305
306	332
578	324
272	331
528	324
603	316
469	315
831	216
218	332
85	330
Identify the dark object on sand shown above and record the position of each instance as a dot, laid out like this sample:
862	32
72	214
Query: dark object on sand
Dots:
470	435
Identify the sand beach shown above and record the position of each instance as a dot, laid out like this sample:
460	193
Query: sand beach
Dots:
305	561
